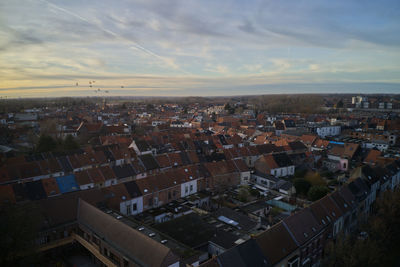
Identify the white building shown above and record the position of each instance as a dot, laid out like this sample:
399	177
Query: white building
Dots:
325	131
132	206
189	187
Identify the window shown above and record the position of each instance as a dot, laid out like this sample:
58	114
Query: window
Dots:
191	188
128	210
294	262
134	206
95	240
114	258
186	189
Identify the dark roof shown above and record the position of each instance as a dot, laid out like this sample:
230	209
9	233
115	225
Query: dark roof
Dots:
282	160
123	171
109	155
215	157
36	190
222	139
269	148
359	189
283	184
276	243
371	177
297	145
185	158
54	215
347	195
20	192
65	164
149	162
224	239
142	145
303	226
133	189
290	123
341	202
245	254
279	125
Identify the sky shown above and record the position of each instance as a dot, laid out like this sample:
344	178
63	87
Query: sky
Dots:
51	48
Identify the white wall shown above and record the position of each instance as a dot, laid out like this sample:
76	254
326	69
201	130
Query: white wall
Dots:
244	177
139	206
110	182
285	171
86	186
328	131
185	188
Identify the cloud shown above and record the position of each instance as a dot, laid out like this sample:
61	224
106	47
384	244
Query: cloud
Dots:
253	67
213	44
281	64
247	27
13	38
314	67
220	69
